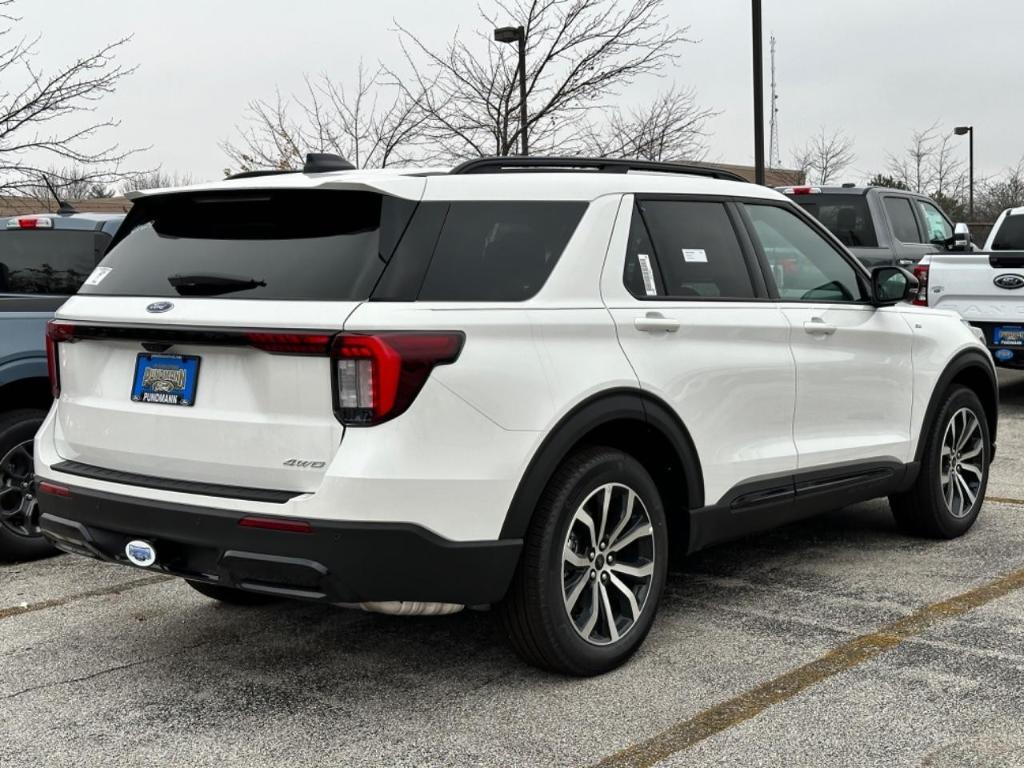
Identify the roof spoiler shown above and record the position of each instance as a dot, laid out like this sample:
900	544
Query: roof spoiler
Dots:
316	162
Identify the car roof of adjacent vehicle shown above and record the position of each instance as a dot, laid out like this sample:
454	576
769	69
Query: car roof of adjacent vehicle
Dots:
86	220
505	179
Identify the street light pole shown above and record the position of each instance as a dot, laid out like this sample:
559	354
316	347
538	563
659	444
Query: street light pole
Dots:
960	130
518	35
755	13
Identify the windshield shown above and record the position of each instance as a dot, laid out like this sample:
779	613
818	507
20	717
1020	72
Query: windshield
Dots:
1010	235
274	244
47	261
846	216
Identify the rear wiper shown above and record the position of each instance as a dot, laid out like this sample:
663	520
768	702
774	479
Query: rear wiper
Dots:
212	285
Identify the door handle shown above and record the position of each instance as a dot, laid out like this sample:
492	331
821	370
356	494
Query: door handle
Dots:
655	321
818	327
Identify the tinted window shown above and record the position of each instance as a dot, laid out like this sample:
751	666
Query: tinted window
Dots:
937	228
697	249
498	251
48	260
1010	235
904	224
805	266
274	244
640	274
846	216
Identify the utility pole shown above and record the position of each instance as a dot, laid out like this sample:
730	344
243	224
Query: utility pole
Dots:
755	14
774	150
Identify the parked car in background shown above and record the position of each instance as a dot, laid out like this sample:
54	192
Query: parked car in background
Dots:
879	225
43	259
986	287
511	383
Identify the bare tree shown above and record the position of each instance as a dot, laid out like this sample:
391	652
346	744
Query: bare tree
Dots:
929	165
69	182
155	179
35	107
578	53
373	125
824	156
672	127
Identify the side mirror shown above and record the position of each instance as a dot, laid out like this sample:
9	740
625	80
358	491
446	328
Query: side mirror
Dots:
891	285
961	238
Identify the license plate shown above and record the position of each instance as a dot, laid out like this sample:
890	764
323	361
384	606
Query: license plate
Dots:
165	379
1009	336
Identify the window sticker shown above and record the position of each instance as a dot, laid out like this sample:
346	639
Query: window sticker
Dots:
645	270
97	275
695	254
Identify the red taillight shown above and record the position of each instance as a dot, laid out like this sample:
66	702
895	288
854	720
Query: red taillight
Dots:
921	273
276	524
56	331
290	343
54	489
377	376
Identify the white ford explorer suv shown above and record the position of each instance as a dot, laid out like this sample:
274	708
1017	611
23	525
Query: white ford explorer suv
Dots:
514	383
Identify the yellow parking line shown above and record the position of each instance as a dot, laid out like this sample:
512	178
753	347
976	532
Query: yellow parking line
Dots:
749	704
17	610
1004	500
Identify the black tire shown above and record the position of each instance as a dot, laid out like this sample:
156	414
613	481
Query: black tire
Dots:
230	595
534	613
924	510
17	427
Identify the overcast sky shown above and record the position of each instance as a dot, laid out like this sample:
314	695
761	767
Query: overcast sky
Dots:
877	69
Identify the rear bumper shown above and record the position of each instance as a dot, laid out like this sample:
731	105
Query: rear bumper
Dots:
1003	356
337	561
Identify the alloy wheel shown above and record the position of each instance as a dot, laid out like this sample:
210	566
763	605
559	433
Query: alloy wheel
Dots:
607	564
17	491
962	462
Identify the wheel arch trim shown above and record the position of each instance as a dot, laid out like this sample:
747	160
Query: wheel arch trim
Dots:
603	408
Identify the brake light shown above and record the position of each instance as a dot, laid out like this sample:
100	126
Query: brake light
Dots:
921	273
56	331
801	190
290	343
377	376
30	222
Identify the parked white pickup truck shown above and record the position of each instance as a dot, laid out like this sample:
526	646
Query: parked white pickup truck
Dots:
986	287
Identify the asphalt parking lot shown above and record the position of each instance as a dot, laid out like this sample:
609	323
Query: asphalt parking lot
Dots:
832	642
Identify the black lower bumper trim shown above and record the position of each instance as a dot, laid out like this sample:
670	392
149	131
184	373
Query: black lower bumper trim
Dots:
344	562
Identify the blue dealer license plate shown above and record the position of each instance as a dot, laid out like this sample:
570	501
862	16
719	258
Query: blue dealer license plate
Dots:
1009	336
165	379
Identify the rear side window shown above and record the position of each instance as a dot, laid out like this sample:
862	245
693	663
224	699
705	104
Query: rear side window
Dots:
846	216
498	251
48	261
1010	235
273	244
904	224
698	253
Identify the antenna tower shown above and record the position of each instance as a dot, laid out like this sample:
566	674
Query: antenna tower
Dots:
774	151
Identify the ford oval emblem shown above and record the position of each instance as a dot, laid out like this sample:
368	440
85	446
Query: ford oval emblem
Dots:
1010	281
140	553
160	306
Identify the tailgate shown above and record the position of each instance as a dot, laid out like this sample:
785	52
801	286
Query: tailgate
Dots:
982	287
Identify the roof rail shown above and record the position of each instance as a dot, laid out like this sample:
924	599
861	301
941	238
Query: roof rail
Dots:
599	164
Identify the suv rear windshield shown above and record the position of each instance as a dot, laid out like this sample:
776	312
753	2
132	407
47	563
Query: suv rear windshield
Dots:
1010	236
48	261
846	216
273	244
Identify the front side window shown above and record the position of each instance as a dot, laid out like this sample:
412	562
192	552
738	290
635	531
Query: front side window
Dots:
48	261
937	228
500	250
696	249
805	266
904	223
